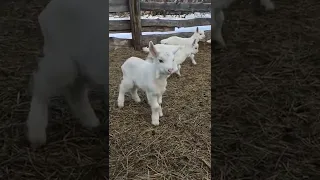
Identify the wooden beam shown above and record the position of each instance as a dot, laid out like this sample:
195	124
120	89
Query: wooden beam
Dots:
171	6
115	42
118	6
135	19
125	24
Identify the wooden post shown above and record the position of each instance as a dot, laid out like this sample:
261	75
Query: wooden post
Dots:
135	19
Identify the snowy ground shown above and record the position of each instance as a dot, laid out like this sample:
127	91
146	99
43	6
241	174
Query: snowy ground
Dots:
168	17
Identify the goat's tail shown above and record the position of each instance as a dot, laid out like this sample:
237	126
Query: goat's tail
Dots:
145	49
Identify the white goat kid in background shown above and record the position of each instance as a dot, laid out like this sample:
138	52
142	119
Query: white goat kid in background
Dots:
182	52
198	35
150	77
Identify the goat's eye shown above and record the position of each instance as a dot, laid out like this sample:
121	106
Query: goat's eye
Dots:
160	60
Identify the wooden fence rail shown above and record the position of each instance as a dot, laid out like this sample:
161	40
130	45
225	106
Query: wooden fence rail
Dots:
136	24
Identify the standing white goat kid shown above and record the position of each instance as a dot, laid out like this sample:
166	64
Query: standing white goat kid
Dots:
182	52
75	55
198	35
150	77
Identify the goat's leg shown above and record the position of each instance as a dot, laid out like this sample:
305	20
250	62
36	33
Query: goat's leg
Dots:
217	31
268	4
193	60
77	97
155	108
134	94
48	80
125	86
160	102
178	71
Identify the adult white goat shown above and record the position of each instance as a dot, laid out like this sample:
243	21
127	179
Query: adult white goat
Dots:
75	54
150	77
198	35
182	52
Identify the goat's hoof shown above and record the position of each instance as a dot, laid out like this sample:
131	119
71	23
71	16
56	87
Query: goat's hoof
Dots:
270	7
137	99
155	123
194	63
120	104
37	139
91	123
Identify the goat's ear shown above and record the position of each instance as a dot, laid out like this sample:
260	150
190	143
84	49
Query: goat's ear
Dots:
197	29
194	42
152	49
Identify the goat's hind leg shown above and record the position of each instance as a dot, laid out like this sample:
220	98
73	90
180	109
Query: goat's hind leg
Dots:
134	94
126	85
77	97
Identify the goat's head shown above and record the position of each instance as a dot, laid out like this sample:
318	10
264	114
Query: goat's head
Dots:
164	60
199	34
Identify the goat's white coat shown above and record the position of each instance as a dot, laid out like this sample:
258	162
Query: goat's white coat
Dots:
151	77
198	35
75	54
182	52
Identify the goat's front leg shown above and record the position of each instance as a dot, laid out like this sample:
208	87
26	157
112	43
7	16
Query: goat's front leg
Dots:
178	71
155	108
160	102
193	60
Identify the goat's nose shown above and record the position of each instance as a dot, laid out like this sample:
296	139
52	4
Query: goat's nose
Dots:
170	70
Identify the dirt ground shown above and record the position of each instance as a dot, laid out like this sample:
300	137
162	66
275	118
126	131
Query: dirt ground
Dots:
266	103
177	149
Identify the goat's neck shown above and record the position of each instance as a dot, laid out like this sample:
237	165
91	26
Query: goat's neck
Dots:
194	36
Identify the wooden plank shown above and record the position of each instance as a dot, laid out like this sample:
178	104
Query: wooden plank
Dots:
171	6
145	29
118	6
116	43
135	19
125	24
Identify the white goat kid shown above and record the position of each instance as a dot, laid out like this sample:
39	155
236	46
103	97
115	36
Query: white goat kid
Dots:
182	52
150	77
198	35
75	55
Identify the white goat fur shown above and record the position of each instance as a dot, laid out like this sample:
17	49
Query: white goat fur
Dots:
150	77
182	52
175	40
209	41
75	55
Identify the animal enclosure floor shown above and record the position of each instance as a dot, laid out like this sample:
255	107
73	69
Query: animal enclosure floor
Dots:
179	148
266	99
